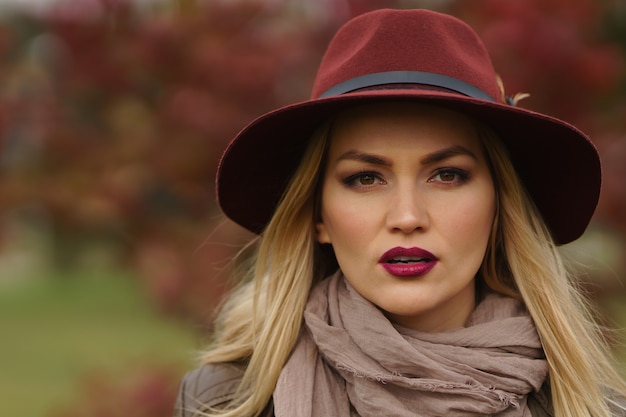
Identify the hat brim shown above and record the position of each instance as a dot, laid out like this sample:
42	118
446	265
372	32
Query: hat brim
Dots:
557	163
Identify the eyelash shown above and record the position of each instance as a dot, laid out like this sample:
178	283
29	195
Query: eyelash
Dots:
350	180
462	176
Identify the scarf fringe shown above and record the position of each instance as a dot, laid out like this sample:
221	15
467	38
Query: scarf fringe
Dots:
509	400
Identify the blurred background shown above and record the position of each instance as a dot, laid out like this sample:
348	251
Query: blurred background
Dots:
113	114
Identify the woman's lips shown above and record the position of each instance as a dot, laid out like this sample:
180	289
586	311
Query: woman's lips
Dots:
408	262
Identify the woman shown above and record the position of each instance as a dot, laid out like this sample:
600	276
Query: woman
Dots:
408	217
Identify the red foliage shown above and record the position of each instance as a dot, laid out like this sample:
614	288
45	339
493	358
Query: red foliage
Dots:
553	49
149	392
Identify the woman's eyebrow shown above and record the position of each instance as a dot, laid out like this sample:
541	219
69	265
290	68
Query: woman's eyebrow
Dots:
364	157
431	158
446	153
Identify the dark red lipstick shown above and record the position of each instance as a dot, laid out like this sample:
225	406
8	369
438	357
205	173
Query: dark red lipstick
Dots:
408	262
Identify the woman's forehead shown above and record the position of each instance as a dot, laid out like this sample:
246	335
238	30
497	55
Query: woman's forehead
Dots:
380	125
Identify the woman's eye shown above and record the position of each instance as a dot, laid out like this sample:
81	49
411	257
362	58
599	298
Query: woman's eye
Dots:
364	179
450	176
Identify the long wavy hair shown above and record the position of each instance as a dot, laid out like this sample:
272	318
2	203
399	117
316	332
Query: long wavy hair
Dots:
260	321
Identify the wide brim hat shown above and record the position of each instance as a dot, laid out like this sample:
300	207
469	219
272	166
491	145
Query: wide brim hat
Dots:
414	56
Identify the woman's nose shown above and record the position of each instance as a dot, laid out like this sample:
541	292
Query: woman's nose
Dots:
407	211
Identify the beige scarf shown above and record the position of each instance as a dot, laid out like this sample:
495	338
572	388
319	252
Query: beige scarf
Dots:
350	360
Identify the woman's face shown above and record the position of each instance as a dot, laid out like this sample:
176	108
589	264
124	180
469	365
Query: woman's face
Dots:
407	204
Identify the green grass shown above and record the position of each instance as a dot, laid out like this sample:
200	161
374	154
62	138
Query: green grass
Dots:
56	330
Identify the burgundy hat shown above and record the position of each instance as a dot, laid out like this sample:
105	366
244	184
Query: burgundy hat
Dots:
418	56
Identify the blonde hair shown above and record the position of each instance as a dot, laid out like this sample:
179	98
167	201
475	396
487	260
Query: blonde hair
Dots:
253	326
521	261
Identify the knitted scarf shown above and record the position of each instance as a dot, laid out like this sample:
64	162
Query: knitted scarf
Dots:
351	360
